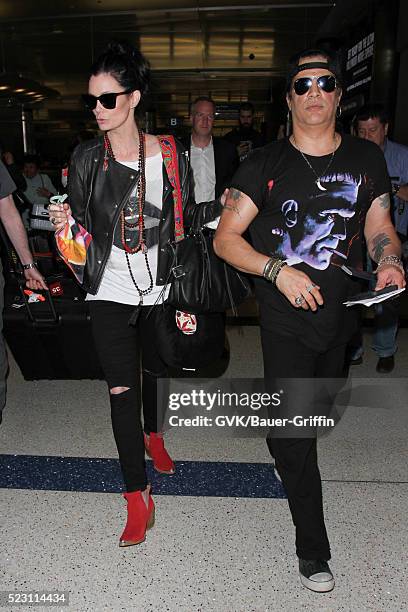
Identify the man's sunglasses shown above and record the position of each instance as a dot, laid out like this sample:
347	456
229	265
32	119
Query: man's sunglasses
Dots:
108	100
326	83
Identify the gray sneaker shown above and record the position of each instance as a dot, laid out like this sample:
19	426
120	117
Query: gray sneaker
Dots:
316	575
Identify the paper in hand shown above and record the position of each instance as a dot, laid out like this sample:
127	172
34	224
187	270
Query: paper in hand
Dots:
374	297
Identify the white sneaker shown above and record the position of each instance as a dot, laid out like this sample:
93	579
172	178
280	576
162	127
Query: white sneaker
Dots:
316	575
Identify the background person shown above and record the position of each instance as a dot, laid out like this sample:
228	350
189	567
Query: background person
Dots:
245	137
13	169
14	228
213	160
39	189
371	123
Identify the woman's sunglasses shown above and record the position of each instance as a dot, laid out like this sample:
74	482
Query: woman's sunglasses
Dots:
108	100
326	83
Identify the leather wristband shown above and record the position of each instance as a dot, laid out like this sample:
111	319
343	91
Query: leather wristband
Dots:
29	266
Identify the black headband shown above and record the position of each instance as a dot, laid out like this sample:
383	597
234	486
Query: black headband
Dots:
309	65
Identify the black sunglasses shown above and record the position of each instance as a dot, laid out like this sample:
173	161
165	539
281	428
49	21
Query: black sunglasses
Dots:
326	82
108	100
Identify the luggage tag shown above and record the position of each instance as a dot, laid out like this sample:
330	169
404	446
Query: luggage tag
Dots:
56	288
33	297
186	322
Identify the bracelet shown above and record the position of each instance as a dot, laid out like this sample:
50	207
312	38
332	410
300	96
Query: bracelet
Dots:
391	260
272	268
29	266
277	270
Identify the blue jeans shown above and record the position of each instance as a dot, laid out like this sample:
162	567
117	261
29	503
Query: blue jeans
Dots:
385	326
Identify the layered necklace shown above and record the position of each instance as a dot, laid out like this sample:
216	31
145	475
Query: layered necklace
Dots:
318	176
129	211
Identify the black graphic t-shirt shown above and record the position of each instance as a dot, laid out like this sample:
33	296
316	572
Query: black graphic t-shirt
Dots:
315	225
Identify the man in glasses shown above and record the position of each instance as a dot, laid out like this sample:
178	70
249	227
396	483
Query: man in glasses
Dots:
213	160
306	200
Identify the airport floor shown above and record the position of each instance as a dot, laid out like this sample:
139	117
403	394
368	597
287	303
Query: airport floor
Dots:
223	539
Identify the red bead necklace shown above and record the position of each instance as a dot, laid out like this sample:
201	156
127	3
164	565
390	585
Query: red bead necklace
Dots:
141	195
141	198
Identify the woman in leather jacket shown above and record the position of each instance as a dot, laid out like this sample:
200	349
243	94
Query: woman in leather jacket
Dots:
120	193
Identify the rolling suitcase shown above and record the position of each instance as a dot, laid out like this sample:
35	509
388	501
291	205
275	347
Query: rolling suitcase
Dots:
50	339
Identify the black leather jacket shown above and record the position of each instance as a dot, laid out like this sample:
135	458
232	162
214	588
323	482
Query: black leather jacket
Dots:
97	198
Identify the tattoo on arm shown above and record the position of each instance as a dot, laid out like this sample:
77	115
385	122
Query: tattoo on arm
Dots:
235	195
384	201
377	246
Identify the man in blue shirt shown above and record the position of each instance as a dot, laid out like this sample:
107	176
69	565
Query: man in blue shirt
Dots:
371	123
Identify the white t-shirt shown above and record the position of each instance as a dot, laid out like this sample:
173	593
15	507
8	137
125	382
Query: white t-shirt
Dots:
117	285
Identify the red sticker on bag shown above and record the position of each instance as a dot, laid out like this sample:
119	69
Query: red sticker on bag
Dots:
186	322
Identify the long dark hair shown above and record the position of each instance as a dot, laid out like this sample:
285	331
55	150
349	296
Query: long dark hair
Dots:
126	64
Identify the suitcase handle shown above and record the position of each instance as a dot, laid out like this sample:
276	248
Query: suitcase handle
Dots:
52	317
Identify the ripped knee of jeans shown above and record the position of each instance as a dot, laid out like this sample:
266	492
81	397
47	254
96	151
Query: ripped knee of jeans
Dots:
118	390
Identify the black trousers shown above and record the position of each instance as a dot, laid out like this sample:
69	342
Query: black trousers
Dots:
122	351
296	458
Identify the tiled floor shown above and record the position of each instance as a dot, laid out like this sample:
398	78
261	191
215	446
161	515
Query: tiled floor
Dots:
214	548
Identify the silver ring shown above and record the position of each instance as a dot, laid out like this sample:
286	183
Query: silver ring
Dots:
53	220
299	300
310	287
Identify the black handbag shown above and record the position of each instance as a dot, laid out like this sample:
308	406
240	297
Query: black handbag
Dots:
202	282
190	335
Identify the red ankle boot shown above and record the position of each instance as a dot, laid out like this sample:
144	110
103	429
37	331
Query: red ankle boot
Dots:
140	517
154	446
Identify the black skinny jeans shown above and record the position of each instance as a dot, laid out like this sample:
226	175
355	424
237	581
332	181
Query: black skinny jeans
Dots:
121	349
286	357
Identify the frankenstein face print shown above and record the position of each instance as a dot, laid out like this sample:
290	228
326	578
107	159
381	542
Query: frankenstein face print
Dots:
313	230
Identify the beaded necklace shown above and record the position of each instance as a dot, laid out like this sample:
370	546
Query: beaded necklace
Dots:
141	197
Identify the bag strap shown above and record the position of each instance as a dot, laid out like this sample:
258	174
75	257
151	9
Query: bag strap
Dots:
169	154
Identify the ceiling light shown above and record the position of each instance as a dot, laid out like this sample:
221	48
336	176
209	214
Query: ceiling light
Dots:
23	90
